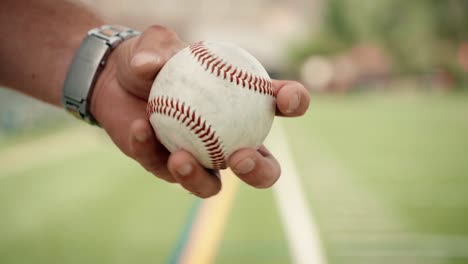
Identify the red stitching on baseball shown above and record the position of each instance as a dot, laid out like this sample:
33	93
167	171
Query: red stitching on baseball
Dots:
184	114
220	68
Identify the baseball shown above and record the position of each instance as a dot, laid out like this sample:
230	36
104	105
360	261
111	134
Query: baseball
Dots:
211	99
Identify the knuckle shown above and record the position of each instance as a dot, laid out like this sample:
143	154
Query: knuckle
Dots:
171	34
156	28
164	31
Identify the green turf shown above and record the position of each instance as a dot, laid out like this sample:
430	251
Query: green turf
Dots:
100	207
95	208
412	150
409	151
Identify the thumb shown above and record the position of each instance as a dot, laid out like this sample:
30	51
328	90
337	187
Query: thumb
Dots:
141	58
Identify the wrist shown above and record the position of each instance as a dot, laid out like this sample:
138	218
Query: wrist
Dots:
87	66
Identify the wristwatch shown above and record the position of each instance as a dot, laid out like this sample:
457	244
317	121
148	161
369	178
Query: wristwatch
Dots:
87	63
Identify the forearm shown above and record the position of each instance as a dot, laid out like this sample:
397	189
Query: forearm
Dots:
39	40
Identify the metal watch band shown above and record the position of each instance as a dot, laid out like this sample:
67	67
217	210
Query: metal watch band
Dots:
87	63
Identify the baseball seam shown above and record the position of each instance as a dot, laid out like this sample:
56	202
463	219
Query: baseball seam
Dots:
221	68
195	123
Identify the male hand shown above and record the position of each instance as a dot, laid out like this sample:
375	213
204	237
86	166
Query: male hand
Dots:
119	105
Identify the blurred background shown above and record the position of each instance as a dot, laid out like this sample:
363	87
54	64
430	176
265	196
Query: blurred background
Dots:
381	155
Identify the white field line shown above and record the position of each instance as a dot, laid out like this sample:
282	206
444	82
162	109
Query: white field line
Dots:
298	221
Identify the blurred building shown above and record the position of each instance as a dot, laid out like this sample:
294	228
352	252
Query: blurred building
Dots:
264	27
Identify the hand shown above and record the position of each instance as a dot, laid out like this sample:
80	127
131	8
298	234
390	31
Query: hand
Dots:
119	105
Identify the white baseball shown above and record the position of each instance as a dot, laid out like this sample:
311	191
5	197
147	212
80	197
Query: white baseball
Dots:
211	99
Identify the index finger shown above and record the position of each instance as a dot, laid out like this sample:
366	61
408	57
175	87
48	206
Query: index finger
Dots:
141	58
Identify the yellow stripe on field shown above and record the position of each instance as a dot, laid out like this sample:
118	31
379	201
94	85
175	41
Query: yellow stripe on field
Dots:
209	224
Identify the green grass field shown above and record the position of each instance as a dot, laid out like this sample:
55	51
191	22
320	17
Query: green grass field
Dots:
386	176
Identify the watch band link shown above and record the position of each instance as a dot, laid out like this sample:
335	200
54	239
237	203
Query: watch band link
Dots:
86	66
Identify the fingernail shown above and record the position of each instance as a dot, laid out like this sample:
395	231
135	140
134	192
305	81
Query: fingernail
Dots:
141	136
185	169
245	166
293	103
144	58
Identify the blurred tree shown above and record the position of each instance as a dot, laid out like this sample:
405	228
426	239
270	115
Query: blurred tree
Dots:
420	35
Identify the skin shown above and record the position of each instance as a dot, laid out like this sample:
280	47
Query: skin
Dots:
122	89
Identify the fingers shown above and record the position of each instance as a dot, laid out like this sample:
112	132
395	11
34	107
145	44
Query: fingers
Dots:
147	151
292	98
161	41
181	166
141	58
192	176
257	168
